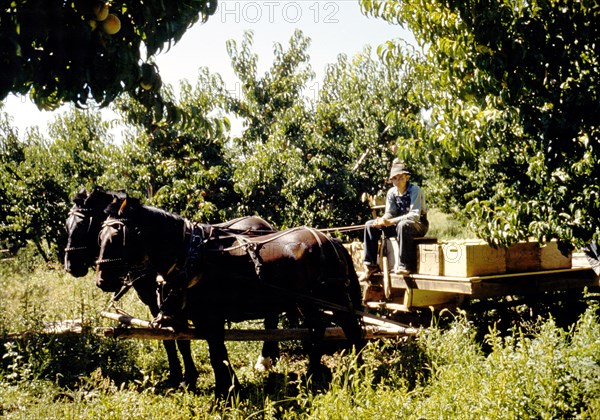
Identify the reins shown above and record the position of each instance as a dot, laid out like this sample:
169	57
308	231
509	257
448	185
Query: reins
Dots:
127	285
195	239
195	235
342	229
245	242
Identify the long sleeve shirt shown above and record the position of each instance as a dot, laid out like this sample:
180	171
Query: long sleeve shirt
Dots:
408	206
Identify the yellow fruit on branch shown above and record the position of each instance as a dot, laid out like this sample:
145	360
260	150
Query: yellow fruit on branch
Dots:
150	78
101	11
111	25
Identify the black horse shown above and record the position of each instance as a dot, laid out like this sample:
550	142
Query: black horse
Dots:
234	279
83	227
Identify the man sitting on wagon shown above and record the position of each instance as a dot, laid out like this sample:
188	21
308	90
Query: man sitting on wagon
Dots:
405	218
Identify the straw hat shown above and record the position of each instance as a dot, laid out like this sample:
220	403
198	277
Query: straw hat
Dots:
398	168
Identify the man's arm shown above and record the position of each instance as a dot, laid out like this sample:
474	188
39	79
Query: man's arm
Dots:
417	207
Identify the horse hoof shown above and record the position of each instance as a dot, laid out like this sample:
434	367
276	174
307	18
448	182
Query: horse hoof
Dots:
189	380
172	382
318	369
263	364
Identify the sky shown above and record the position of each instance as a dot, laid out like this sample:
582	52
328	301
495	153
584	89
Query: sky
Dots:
335	27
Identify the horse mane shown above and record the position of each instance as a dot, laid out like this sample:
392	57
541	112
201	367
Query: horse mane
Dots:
125	207
161	214
79	197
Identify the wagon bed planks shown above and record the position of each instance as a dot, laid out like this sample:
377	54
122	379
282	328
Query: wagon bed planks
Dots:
423	291
476	285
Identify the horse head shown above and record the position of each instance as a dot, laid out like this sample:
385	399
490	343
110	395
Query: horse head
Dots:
83	225
119	244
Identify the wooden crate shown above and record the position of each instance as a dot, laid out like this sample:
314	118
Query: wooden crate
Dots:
392	251
356	251
430	259
472	258
523	257
552	259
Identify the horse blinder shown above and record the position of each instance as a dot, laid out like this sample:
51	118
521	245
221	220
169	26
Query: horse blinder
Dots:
116	251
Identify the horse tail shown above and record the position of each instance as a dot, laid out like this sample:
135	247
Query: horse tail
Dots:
354	288
351	321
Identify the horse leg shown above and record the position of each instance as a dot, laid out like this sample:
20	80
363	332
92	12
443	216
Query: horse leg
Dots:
175	373
352	327
316	331
270	349
191	373
226	382
150	294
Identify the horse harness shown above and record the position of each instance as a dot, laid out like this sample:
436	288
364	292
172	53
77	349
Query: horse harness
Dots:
183	274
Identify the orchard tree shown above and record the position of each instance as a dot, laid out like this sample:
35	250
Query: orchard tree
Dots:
81	147
365	105
181	166
303	161
269	154
284	171
38	176
35	202
12	153
514	115
80	50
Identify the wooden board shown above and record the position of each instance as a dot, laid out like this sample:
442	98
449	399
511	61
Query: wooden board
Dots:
523	256
551	258
375	328
430	259
423	291
356	252
417	298
66	328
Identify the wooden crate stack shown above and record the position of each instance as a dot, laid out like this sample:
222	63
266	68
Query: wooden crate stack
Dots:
469	258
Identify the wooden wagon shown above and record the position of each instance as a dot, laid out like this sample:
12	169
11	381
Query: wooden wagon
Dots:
452	274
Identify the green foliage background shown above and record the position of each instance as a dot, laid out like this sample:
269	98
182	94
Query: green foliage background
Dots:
296	162
496	109
512	88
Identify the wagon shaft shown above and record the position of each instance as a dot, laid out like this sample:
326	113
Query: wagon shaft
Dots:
376	328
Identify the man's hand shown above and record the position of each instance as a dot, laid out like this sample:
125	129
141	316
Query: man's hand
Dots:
382	222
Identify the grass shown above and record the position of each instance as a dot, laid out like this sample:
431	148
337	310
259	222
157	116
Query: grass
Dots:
445	227
532	370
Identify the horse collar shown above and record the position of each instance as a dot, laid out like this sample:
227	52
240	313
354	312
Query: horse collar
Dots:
187	262
195	236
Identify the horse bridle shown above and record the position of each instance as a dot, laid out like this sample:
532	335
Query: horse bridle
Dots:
118	225
134	272
83	213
